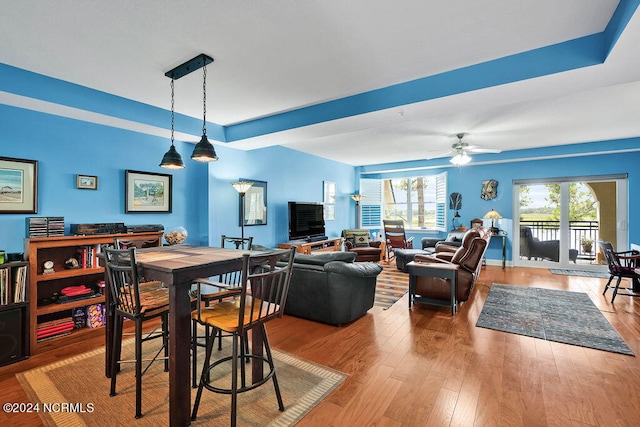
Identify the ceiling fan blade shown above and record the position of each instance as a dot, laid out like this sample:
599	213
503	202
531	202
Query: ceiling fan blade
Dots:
436	154
483	150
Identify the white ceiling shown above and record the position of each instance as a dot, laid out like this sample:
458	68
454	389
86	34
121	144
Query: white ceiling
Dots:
283	55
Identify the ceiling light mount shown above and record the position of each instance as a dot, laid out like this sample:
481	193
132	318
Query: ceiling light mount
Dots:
189	66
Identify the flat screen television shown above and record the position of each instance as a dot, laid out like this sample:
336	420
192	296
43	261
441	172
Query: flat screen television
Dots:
306	221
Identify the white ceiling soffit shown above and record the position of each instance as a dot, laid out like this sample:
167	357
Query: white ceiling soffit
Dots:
282	56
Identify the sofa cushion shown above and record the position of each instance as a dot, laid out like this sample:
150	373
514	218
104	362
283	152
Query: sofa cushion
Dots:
324	257
455	236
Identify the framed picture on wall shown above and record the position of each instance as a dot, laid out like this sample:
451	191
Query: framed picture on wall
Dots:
476	223
86	182
329	199
255	204
18	185
147	192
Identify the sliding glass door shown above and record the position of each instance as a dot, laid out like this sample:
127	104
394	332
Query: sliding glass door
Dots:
559	221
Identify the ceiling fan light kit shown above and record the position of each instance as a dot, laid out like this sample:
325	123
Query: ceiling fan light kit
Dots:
460	159
461	151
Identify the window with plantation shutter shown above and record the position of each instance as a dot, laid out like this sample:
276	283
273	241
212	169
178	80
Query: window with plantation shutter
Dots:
371	206
420	202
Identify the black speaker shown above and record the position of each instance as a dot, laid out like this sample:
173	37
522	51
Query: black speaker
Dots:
13	344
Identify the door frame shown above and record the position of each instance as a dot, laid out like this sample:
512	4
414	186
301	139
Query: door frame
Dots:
621	219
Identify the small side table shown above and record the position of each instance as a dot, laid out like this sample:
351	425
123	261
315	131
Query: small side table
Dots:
383	253
445	271
504	246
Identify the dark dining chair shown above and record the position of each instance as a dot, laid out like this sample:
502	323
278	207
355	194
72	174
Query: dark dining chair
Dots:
136	242
238	242
215	289
139	304
261	298
621	265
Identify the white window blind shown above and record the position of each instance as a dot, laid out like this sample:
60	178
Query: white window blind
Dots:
371	206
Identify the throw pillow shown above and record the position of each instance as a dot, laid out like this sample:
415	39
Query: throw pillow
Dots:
362	240
358	238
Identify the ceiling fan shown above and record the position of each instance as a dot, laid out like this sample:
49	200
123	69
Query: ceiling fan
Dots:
461	150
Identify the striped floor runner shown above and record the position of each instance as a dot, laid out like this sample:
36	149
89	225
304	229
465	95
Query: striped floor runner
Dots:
391	285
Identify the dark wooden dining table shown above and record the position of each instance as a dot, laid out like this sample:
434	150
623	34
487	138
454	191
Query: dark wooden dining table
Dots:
177	267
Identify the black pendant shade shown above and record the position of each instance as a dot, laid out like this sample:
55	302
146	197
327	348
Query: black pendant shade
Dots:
172	159
204	151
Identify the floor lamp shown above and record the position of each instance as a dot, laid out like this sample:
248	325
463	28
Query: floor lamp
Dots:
242	187
358	198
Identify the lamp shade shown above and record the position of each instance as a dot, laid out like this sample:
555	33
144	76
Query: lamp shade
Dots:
204	151
172	159
242	186
492	214
358	197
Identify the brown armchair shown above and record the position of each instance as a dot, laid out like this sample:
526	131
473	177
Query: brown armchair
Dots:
436	281
359	241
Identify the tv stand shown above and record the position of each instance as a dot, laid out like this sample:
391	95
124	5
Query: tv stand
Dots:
307	247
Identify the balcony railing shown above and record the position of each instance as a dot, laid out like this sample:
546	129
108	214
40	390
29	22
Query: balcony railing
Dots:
578	230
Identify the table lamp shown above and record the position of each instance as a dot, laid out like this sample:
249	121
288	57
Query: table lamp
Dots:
493	215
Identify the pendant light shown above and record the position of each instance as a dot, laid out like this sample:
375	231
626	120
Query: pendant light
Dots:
172	159
204	151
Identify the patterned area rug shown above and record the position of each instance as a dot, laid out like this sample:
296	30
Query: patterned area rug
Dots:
565	272
391	285
81	380
549	314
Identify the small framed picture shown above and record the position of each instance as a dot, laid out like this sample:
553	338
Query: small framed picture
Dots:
87	182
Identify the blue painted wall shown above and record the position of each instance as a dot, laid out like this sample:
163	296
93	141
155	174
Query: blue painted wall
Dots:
204	202
579	160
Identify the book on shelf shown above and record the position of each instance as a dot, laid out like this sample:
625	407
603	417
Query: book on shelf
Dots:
4	286
19	284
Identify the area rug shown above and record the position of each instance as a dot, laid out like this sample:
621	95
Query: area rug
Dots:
549	314
391	285
81	381
567	272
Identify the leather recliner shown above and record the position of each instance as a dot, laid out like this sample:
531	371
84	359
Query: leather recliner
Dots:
468	258
331	288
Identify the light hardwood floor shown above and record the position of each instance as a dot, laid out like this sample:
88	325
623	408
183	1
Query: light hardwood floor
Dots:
424	367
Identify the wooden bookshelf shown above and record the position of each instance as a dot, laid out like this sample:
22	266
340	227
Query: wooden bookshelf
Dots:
44	286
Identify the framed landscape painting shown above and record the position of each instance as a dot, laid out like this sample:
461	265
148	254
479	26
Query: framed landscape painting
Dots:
18	185
147	192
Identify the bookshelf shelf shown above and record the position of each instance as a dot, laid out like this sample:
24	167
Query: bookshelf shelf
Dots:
69	273
44	288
